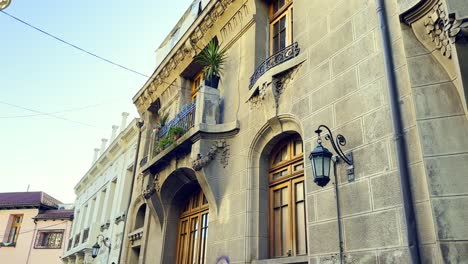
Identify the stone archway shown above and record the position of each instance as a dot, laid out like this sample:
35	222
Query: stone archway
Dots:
266	138
175	189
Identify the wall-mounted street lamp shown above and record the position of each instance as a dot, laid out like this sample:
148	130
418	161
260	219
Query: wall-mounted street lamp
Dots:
321	159
105	241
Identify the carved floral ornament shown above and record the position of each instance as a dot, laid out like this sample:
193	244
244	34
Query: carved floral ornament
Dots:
280	83
152	187
219	146
187	49
444	30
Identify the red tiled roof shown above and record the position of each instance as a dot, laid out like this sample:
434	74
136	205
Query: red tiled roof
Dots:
55	214
27	199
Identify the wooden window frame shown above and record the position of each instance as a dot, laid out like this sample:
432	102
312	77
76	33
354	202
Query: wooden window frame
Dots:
40	237
194	209
14	224
285	11
288	181
195	88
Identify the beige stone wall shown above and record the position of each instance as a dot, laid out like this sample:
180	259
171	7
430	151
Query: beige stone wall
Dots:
338	80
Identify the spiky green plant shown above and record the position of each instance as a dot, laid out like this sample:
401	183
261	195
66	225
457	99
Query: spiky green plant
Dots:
212	59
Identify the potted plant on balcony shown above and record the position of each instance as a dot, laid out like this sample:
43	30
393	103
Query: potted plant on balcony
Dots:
176	132
211	58
161	122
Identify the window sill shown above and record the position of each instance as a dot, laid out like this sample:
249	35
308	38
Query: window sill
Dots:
296	259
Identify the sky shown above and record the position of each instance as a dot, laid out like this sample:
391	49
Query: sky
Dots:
38	73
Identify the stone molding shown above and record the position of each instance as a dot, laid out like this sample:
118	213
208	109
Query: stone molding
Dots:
219	146
444	29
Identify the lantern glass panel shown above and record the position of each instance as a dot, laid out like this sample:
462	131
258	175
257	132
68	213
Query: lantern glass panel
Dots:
326	166
318	166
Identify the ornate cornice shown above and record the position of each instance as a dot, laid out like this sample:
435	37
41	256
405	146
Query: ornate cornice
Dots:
186	48
219	146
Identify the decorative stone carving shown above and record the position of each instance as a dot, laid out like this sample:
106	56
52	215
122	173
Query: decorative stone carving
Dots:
443	29
152	187
219	146
280	83
257	100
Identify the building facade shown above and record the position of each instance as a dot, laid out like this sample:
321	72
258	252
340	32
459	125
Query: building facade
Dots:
238	183
102	199
33	228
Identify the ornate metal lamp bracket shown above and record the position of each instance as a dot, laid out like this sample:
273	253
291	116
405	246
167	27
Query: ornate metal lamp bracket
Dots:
337	143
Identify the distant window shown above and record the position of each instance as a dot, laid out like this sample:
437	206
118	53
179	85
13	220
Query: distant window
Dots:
49	238
196	84
281	22
13	230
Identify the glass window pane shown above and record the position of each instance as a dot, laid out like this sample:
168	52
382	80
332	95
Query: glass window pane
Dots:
298	167
276	198
298	147
277	232
326	166
285	230
299	191
300	229
284	196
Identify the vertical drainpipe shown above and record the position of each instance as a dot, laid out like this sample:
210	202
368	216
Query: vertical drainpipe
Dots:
405	187
139	124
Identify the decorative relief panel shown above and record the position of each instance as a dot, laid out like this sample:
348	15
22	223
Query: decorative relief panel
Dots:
220	147
444	29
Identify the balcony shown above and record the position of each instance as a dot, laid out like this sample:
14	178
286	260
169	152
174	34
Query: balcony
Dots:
174	129
276	59
136	235
175	139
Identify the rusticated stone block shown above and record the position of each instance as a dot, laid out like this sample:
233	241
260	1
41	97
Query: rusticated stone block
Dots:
450	216
447	175
371	230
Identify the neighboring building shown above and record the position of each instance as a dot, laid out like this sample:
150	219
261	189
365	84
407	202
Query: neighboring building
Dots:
238	182
102	198
33	228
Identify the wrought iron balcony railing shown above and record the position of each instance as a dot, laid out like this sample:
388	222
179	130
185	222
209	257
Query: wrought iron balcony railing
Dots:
181	123
281	56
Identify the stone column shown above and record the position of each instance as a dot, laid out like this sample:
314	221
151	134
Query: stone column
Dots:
96	154
103	145
114	132
123	124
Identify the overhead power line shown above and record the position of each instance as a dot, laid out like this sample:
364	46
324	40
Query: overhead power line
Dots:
58	112
47	114
75	46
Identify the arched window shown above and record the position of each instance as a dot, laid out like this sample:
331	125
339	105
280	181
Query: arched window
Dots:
287	199
140	217
193	230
